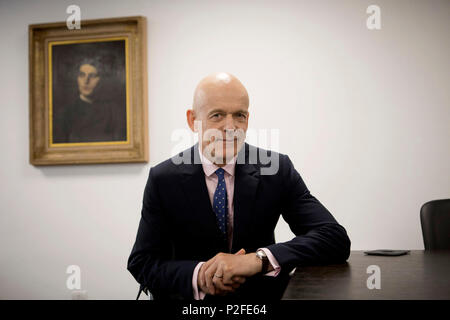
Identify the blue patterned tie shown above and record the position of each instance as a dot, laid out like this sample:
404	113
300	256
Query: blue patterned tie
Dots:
220	204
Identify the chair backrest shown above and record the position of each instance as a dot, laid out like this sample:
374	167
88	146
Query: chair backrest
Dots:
146	291
435	221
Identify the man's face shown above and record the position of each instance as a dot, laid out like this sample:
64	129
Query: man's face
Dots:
224	122
87	80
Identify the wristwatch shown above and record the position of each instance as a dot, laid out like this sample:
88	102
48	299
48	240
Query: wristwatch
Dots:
260	254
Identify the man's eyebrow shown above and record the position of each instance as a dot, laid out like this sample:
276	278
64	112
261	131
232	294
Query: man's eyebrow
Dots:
223	111
216	110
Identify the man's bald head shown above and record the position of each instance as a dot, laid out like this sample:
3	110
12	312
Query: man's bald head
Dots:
218	87
220	115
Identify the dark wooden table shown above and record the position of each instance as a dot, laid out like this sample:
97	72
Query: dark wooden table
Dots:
418	275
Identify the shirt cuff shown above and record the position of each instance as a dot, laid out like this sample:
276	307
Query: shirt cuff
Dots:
273	261
198	294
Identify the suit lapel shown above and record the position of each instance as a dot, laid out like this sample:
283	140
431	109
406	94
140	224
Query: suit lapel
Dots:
245	186
194	186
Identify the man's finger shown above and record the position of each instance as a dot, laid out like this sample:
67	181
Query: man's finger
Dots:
228	277
201	277
229	289
238	279
209	273
240	252
210	262
218	278
235	285
203	268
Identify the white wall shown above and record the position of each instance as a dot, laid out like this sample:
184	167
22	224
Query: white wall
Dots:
364	115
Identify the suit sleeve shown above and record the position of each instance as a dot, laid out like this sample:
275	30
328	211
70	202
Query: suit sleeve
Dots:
151	262
320	239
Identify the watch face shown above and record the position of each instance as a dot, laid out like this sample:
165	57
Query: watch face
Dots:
261	254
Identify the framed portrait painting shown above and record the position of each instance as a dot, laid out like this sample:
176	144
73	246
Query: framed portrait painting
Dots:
88	92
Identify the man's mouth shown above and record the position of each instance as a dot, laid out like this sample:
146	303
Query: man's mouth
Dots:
230	139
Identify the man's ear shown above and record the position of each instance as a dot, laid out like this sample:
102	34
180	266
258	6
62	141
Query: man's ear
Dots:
190	116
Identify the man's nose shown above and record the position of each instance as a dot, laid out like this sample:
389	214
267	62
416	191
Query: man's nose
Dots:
229	123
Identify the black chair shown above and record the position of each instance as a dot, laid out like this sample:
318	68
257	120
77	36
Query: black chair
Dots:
435	221
146	291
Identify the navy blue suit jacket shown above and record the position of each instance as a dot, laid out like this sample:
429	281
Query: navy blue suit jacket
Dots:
178	227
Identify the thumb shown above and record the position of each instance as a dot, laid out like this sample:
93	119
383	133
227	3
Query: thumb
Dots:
240	252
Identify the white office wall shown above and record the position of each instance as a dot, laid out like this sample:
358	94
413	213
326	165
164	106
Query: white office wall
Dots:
364	115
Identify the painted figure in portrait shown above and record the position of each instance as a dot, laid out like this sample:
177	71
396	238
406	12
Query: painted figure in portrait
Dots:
88	92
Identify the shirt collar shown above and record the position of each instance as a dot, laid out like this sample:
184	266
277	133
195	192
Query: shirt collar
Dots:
209	168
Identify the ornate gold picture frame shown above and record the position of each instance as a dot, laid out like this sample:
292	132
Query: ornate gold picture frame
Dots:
88	92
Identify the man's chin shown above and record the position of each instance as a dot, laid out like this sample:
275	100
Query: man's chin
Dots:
222	154
227	155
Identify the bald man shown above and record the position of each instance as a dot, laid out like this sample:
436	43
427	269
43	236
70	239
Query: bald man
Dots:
209	213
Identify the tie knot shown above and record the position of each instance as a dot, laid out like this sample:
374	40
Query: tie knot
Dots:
220	172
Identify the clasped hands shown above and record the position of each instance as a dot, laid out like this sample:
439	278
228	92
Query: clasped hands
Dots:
226	272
